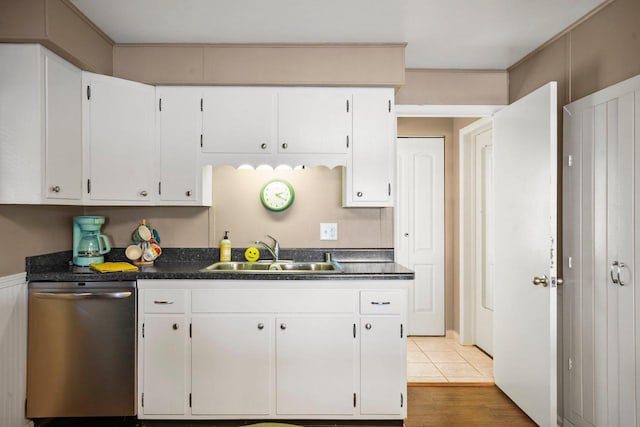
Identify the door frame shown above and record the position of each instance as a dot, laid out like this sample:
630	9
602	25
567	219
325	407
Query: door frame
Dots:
468	226
483	112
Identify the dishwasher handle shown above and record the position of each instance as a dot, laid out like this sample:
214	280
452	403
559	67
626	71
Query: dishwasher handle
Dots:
82	295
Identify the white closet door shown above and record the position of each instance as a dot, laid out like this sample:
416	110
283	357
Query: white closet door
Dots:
621	342
421	228
601	209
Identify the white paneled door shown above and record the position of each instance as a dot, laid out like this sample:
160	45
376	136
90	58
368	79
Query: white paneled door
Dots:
421	230
525	299
484	283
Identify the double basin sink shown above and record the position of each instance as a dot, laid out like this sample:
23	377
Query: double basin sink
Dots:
275	267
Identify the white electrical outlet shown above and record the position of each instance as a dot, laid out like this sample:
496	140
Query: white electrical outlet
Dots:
328	231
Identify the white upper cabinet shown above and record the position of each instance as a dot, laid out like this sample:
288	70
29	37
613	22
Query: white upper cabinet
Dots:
63	132
368	177
40	127
238	120
118	118
179	126
314	121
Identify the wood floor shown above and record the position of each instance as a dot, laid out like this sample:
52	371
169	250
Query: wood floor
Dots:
462	406
437	406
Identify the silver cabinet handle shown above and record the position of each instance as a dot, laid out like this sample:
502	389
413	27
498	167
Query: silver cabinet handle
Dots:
175	326
617	265
55	188
144	193
380	302
541	280
283	326
285	146
367	326
263	146
261	326
165	301
406	234
188	193
82	295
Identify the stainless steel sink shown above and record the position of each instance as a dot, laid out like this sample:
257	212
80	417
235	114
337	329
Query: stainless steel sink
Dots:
276	267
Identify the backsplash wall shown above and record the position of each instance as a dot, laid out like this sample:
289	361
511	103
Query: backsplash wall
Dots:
32	230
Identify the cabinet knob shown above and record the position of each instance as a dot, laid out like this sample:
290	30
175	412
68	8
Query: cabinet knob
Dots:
367	326
188	193
359	194
261	326
175	326
144	193
283	326
263	146
55	188
284	145
406	234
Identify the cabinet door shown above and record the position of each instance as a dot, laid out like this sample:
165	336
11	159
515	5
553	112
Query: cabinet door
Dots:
314	121
119	132
20	123
63	129
382	365
238	120
232	361
180	127
164	365
369	175
315	365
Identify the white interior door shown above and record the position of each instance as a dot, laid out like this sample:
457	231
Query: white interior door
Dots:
421	227
484	262
525	316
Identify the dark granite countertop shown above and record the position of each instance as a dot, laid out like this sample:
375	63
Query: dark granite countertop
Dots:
187	263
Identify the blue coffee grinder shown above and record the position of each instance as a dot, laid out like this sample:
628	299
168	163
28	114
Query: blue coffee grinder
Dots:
89	244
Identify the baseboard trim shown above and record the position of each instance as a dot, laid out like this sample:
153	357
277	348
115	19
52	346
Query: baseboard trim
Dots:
410	384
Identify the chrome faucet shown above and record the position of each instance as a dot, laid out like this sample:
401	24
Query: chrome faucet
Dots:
273	250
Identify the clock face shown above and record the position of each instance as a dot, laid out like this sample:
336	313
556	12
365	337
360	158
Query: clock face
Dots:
277	195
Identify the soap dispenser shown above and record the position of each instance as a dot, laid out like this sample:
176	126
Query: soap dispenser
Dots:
225	248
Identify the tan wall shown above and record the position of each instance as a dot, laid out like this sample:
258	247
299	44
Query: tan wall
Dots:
453	87
597	53
33	230
318	198
263	64
59	26
448	128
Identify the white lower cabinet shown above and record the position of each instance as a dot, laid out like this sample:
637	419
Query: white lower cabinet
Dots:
232	362
315	365
165	364
274	349
382	365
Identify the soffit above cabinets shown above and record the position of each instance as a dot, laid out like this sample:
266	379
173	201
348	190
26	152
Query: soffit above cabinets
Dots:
450	34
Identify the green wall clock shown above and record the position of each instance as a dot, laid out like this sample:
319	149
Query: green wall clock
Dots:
277	195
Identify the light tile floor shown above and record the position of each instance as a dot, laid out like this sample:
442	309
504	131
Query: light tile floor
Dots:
442	360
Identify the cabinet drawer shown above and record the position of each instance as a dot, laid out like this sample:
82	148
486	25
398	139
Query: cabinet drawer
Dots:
380	302
164	301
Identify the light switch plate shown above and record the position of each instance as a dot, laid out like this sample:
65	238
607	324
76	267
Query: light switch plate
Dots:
328	231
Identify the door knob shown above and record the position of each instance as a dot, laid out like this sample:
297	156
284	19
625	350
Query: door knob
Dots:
541	280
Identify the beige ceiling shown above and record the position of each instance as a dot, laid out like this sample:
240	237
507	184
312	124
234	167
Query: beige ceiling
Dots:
452	34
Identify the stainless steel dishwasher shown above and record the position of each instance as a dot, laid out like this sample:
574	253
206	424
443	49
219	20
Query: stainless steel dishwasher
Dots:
81	349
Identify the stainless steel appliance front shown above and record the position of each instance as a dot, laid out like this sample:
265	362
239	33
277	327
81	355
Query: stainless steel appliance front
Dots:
81	349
